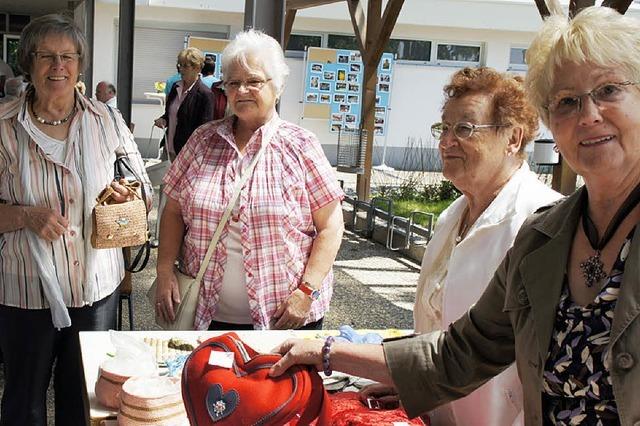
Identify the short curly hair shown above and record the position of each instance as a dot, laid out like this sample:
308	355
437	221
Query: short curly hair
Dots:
510	104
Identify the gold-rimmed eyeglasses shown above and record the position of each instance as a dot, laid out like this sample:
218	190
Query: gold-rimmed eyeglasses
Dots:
51	58
461	130
254	84
565	104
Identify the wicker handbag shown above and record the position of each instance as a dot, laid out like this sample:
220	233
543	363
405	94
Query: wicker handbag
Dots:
119	225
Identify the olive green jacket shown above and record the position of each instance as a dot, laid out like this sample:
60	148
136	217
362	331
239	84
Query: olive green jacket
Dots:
513	321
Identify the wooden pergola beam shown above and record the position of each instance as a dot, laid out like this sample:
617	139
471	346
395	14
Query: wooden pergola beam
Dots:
304	4
576	6
388	22
542	8
619	5
359	23
289	17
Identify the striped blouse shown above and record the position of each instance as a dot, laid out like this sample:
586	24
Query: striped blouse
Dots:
96	131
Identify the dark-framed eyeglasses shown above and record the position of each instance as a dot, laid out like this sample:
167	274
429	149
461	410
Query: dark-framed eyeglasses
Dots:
461	130
51	58
566	104
254	84
183	66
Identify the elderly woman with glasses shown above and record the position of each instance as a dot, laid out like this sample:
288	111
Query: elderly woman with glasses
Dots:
189	103
57	153
271	268
565	302
486	125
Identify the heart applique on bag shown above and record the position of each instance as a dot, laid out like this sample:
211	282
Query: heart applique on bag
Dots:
244	393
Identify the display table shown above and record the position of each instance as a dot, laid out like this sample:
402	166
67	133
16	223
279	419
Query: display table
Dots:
95	346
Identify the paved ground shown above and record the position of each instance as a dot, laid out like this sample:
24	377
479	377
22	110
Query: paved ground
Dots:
374	289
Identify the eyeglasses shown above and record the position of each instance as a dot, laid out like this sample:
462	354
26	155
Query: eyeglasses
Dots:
51	58
182	66
254	84
461	130
565	105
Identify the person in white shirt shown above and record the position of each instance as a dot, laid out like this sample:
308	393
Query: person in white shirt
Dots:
106	93
486	124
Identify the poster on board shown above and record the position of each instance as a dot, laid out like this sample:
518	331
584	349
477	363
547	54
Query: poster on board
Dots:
335	78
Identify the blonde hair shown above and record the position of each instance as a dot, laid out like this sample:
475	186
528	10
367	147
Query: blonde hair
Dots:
263	50
597	35
192	56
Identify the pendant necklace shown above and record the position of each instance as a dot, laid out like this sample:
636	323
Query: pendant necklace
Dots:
53	122
592	268
464	226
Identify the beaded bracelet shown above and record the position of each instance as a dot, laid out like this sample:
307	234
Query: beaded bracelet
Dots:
326	350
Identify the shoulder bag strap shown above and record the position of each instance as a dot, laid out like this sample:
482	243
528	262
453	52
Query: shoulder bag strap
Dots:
232	202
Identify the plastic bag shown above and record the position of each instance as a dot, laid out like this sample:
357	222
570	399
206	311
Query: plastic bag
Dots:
133	357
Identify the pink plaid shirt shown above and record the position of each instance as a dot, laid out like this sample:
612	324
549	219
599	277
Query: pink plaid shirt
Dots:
292	180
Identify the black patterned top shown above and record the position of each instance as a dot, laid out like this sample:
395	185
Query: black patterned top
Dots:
577	388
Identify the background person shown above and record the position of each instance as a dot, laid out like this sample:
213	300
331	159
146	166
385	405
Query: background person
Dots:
189	104
272	265
57	150
106	93
208	71
13	88
564	302
486	125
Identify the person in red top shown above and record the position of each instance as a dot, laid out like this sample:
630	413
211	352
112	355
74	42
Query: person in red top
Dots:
272	265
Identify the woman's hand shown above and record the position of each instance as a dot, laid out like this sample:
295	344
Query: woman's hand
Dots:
385	395
160	122
297	351
122	194
293	312
46	223
167	295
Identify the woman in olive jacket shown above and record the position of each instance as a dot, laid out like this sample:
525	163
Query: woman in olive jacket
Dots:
564	305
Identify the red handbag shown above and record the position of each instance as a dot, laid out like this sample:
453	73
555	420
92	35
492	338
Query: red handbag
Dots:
245	394
348	410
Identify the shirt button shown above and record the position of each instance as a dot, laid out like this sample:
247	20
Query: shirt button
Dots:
249	274
71	201
235	218
76	263
624	361
72	233
66	172
522	297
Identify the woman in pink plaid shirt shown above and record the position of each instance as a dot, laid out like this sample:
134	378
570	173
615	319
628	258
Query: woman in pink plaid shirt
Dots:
272	265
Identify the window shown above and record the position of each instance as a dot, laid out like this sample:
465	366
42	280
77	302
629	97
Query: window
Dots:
458	53
516	58
410	50
339	41
299	42
18	22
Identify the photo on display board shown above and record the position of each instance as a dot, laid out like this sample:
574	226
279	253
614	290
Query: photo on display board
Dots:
336	117
314	82
345	108
339	98
354	87
341	87
354	67
325	87
380	110
383	87
355	57
329	75
384	78
377	100
343	59
350	118
316	67
350	127
379	120
377	130
386	64
342	75
336	127
325	98
311	97
352	78
353	99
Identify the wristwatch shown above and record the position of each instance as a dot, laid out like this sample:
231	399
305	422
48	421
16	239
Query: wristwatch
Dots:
306	288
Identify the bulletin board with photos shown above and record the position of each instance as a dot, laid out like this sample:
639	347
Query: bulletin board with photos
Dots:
333	88
211	48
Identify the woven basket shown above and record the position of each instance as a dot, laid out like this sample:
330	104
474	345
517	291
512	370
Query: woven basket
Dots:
119	225
152	401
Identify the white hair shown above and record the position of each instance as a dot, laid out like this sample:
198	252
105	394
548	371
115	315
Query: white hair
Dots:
263	51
